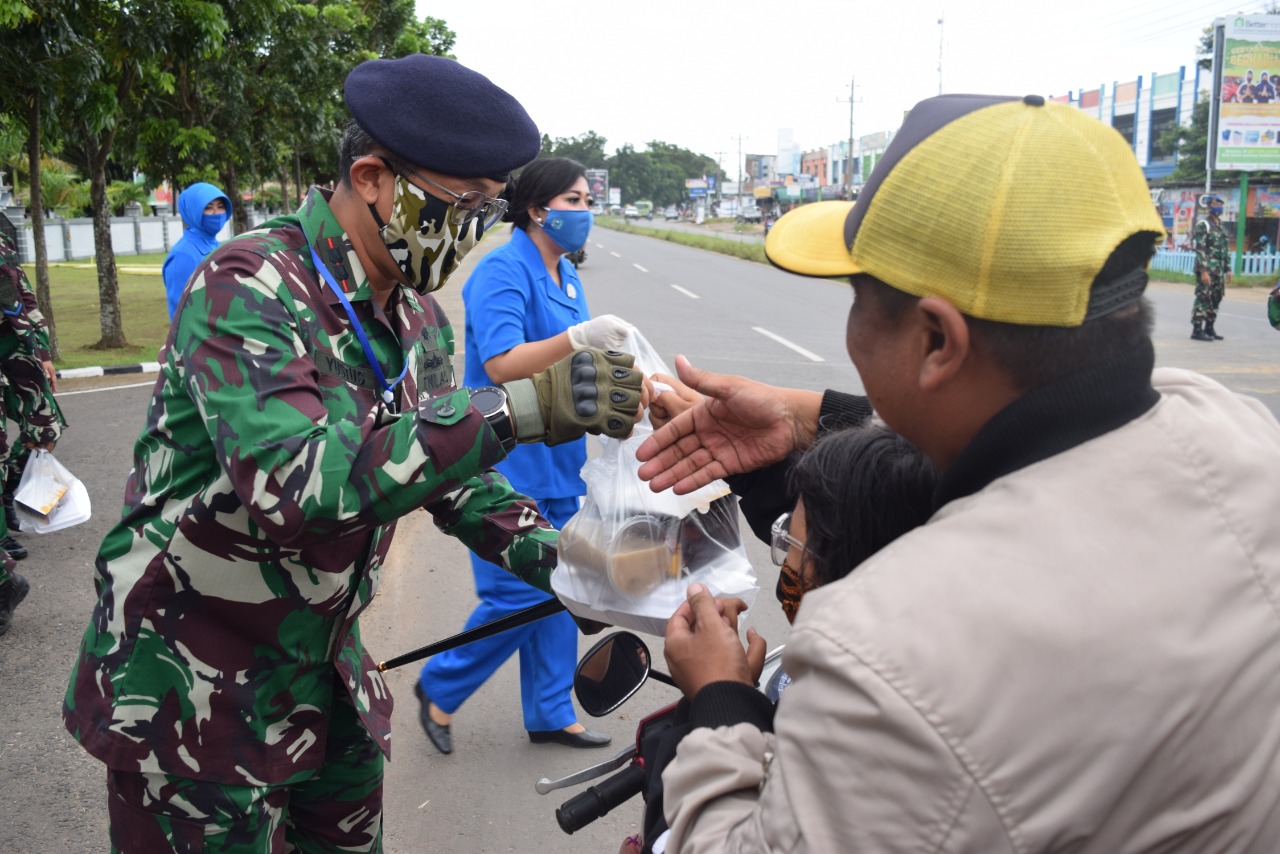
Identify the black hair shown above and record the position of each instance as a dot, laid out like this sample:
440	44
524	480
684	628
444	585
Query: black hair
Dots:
1034	356
355	143
862	487
538	183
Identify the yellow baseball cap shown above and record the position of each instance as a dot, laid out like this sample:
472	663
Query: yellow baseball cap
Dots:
1006	207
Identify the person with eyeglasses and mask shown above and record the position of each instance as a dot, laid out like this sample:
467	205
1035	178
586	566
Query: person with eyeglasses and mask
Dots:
306	400
525	309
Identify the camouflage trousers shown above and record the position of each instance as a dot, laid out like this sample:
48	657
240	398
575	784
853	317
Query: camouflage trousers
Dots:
27	401
336	809
1208	298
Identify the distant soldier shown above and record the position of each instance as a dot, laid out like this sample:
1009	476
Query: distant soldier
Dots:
29	381
1213	271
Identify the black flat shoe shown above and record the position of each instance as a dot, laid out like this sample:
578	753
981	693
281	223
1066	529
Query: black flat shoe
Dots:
14	548
586	738
438	733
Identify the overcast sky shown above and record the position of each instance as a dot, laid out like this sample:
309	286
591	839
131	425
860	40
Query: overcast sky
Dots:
702	73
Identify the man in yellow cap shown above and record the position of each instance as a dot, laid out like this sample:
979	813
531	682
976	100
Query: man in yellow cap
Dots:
1078	650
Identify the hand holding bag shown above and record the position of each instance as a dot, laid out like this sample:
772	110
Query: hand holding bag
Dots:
628	556
49	497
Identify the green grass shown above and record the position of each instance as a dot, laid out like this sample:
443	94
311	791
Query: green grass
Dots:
1267	282
749	251
73	287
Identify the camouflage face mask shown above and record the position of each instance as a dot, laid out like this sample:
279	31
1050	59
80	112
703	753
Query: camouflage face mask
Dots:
422	237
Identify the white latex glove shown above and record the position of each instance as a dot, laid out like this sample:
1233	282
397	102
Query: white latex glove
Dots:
606	332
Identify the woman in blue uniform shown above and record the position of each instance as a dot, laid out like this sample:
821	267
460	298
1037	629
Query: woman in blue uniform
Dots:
525	310
205	210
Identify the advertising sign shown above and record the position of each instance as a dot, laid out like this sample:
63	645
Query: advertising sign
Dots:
615	195
598	184
1248	127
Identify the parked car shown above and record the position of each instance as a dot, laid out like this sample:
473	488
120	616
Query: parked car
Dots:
751	214
672	212
630	212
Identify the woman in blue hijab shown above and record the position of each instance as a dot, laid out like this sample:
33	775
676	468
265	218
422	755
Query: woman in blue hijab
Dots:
205	210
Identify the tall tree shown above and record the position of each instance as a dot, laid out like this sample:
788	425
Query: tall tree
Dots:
587	149
133	42
43	43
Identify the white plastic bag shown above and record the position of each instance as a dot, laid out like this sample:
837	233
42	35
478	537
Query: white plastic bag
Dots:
628	556
49	497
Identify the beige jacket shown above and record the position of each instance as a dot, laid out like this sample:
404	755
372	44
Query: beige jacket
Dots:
1084	656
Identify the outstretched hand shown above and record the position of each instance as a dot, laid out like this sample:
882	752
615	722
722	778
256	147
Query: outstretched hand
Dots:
702	643
740	425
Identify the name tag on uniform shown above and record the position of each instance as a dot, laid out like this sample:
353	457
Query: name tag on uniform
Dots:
436	372
356	375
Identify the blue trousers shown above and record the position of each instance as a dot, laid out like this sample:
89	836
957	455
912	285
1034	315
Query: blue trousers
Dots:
548	647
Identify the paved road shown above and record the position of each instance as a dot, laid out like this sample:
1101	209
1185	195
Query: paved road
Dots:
723	313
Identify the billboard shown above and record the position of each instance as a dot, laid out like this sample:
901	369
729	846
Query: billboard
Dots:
598	184
1247	131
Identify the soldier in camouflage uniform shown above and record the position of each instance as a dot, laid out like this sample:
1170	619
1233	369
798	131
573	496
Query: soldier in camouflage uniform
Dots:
306	401
26	396
1212	271
29	383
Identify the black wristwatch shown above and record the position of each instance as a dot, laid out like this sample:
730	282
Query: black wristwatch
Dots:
492	403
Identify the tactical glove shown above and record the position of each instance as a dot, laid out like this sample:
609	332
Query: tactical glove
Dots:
588	391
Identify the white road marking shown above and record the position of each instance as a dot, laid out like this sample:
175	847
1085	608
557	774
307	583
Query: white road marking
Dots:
785	343
105	388
690	294
641	269
615	254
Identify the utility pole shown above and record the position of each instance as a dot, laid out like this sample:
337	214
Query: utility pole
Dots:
719	178
741	176
848	160
940	31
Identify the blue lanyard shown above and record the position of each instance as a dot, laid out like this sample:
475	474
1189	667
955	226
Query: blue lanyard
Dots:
387	387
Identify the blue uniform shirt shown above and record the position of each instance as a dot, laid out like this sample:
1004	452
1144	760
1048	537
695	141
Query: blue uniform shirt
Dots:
511	299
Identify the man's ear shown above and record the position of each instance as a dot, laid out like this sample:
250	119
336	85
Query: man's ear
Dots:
368	177
948	346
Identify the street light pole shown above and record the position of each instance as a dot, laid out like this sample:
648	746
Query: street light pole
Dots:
848	160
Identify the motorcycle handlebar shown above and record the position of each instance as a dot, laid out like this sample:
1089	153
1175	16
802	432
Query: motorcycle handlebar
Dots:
585	807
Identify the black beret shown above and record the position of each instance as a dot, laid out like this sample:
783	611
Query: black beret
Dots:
433	112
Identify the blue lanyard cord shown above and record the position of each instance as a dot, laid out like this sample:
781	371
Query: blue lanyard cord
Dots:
387	387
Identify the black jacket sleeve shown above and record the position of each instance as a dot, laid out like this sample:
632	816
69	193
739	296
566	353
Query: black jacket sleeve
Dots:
763	494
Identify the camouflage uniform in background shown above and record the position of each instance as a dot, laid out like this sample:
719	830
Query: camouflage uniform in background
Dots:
224	645
24	350
1213	255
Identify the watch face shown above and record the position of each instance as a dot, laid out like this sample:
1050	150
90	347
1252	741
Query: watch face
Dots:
488	399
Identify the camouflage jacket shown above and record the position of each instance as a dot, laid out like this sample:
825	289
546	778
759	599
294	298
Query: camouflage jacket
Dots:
1213	252
264	494
23	324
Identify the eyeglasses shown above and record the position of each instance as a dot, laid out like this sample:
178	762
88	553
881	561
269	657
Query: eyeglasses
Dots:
781	541
468	206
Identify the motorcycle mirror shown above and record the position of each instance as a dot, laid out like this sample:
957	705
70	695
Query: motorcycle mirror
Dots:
610	672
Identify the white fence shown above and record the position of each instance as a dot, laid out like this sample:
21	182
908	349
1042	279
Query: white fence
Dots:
1184	261
72	239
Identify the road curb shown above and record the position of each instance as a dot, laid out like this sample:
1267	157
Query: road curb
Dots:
139	368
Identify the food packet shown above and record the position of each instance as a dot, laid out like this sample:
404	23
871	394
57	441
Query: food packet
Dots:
628	556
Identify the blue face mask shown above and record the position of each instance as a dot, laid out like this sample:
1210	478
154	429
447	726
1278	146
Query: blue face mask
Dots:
568	229
213	223
1216	210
